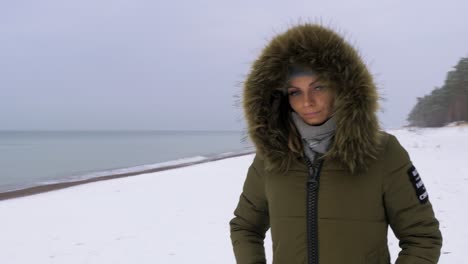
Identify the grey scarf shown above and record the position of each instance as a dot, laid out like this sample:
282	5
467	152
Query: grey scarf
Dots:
316	139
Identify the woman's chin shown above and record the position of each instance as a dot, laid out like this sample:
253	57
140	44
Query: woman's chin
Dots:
314	121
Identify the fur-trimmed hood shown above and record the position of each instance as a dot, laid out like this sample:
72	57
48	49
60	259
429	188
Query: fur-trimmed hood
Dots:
357	134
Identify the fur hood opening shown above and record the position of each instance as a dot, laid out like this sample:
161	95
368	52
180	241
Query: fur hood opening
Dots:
357	137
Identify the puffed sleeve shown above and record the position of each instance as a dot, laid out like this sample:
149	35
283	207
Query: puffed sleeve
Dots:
251	220
409	210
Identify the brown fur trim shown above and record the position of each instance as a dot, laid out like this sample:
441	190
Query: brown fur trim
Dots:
266	107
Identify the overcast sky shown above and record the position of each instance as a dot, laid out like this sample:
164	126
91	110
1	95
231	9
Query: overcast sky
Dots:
177	65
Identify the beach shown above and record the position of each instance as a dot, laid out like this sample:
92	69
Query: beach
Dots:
181	214
111	176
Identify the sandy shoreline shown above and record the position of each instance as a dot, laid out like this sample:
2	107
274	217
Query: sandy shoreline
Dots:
62	185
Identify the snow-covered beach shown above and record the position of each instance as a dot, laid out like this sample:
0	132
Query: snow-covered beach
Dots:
181	215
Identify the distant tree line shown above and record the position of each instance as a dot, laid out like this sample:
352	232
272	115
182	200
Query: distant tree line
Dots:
445	104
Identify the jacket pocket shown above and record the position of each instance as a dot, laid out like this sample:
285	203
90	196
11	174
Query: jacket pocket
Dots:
378	256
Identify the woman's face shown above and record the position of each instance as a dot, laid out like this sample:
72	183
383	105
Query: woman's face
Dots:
310	99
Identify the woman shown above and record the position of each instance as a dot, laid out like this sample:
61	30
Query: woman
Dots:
325	178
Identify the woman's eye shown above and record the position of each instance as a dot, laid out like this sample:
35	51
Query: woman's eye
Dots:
318	88
293	93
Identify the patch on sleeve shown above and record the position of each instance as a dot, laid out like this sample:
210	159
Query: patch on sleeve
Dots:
418	185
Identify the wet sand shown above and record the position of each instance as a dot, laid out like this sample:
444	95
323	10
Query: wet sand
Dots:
57	186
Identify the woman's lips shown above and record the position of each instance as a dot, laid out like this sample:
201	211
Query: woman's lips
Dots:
311	114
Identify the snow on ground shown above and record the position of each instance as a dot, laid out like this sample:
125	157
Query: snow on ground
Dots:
441	158
182	215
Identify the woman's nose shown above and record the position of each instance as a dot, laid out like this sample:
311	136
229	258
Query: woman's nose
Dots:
309	99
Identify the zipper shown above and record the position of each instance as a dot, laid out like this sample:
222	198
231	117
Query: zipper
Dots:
312	206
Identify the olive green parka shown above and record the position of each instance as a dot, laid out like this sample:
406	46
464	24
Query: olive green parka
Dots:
367	181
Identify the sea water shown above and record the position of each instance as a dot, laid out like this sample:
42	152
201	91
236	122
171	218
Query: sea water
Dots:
29	158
